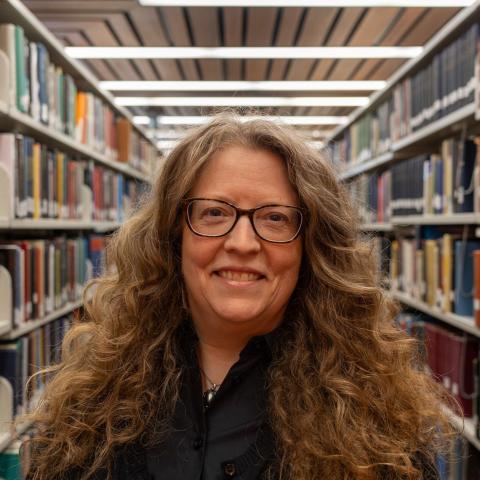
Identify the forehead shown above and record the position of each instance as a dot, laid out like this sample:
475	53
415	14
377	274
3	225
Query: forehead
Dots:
239	173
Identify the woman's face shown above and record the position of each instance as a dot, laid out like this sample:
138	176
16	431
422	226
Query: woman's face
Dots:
220	294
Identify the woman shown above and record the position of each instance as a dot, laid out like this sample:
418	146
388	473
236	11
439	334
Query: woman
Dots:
240	332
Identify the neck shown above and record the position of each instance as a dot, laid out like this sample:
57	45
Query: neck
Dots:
216	360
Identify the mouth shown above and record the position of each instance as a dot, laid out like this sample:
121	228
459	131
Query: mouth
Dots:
239	276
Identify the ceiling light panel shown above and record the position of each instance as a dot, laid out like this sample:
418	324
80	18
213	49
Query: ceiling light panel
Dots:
238	86
307	3
241	52
242	101
199	120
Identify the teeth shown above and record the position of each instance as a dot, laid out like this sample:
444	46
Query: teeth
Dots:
238	276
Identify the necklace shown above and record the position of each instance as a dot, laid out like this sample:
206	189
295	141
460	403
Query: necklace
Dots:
211	391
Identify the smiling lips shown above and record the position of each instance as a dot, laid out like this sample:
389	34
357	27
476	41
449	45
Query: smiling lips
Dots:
237	276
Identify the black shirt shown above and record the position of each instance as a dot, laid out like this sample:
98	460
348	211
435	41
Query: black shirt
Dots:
227	439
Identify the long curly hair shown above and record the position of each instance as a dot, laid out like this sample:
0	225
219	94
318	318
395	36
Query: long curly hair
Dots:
347	393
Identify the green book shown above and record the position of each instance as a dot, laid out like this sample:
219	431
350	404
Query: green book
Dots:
20	61
10	463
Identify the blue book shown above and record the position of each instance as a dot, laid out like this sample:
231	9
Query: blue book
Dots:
463	177
120	206
438	189
28	174
441	464
42	72
11	369
463	276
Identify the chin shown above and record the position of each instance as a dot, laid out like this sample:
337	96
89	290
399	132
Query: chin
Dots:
239	315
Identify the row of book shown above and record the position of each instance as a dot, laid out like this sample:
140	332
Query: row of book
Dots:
443	183
48	183
372	194
41	89
443	272
21	358
46	274
443	85
452	358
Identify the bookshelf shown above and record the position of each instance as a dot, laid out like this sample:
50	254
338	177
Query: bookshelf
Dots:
443	37
465	324
13	120
103	163
52	224
355	156
31	325
467	427
14	11
380	161
464	117
455	219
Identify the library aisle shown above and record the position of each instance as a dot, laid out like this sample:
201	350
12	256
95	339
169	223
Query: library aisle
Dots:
94	95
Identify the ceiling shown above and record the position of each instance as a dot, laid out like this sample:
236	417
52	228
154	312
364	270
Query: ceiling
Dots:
126	23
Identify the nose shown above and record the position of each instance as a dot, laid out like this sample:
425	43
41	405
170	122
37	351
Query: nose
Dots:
242	238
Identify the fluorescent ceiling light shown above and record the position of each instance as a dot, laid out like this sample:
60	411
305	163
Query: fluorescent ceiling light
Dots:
178	134
242	101
187	86
169	144
141	120
199	120
242	52
307	3
166	134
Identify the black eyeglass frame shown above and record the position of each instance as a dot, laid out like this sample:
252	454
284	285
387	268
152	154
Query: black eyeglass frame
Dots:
239	212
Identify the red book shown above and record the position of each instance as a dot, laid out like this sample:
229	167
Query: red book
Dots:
431	336
462	352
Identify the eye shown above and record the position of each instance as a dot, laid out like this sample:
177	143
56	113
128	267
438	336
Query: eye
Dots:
214	212
276	217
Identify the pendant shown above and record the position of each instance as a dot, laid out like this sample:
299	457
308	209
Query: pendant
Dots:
209	394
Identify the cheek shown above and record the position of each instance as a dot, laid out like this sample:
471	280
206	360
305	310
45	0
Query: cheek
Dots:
197	255
288	266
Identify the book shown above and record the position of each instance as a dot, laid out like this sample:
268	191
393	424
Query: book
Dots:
476	283
8	164
463	283
7	45
23	96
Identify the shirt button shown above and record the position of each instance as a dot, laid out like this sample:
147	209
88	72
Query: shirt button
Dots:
230	469
197	443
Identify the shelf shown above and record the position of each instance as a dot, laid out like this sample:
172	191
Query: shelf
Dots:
465	426
54	224
463	323
435	130
363	167
7	438
377	227
455	26
5	328
13	120
455	219
31	325
438	129
13	11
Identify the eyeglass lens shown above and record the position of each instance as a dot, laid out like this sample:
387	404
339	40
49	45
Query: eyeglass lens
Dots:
213	218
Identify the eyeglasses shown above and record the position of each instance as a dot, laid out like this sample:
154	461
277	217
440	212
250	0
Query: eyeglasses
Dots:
216	218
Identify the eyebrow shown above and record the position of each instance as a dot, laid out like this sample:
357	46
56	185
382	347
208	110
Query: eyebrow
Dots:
262	204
